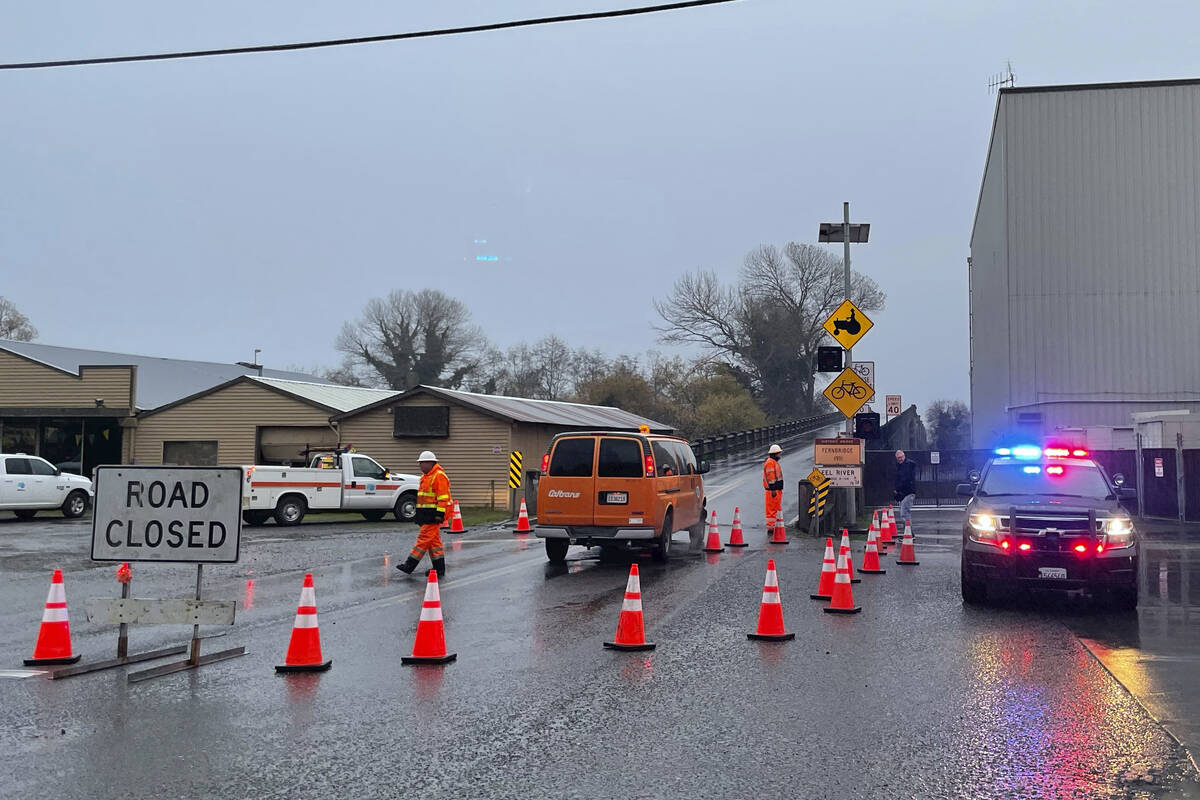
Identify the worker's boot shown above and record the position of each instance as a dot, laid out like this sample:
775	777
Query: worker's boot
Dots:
439	566
408	566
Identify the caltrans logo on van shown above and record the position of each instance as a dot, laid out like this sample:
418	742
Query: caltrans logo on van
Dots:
561	493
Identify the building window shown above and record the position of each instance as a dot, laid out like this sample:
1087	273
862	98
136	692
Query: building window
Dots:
190	454
421	422
18	435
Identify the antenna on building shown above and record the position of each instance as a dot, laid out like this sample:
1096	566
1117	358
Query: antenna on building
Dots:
253	364
1002	79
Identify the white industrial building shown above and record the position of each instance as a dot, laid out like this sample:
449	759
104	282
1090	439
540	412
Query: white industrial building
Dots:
1085	259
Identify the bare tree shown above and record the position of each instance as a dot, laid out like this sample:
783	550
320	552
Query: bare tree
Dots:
13	324
767	327
412	338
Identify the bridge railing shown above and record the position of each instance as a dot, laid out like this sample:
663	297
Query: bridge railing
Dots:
724	444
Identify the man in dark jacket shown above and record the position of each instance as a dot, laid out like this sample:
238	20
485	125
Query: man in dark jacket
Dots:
906	488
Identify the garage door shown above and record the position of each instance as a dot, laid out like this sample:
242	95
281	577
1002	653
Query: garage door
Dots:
291	445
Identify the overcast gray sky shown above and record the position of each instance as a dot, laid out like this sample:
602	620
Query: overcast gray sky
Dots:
202	208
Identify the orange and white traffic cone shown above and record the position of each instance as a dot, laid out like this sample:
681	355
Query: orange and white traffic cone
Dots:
874	528
430	645
735	533
304	648
53	644
523	519
456	523
845	548
770	612
887	531
842	601
779	535
870	563
828	573
713	545
631	634
908	553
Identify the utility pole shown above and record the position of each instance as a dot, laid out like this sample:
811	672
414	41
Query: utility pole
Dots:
853	511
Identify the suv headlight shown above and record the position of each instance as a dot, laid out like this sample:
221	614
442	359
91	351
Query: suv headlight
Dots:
984	525
1118	532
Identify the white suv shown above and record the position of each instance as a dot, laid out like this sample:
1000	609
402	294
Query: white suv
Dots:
29	484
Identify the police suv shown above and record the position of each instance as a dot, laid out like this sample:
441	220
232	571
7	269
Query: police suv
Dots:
1048	519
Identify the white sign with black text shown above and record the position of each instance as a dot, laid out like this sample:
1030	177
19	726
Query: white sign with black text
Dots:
935	457
191	515
866	371
892	405
844	476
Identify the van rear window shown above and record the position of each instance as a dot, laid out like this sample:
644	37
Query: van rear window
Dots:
620	458
573	458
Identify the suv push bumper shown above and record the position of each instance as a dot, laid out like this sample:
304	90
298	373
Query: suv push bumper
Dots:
592	534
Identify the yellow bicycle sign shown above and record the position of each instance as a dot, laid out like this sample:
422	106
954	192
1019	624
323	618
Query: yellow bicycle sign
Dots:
848	392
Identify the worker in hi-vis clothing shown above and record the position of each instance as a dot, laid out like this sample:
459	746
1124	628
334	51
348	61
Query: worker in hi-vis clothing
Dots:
773	486
433	502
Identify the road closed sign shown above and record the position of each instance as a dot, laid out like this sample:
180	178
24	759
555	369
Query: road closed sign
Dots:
182	514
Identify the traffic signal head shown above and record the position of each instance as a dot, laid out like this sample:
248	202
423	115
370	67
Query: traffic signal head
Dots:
829	359
866	426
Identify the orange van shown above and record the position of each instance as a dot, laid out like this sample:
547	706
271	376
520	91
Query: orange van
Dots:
619	490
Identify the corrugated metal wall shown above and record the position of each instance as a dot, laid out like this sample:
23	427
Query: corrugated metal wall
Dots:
230	416
1102	213
467	456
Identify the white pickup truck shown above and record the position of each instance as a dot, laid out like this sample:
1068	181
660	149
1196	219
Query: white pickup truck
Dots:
331	482
29	484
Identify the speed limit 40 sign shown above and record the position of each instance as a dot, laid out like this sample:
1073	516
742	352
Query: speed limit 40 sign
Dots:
892	405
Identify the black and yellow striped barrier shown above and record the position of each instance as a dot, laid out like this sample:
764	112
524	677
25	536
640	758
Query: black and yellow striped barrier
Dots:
514	470
816	504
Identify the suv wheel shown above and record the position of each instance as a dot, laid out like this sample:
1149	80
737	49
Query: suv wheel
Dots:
556	550
974	593
662	551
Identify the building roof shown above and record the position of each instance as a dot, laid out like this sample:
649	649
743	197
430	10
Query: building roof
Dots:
1076	87
160	381
328	395
538	412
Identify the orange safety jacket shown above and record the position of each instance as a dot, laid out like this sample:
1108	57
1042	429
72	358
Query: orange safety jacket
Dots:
772	476
433	496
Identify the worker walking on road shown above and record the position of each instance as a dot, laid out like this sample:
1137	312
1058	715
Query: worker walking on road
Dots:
773	486
433	502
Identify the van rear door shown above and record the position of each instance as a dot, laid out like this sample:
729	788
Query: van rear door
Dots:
624	496
567	492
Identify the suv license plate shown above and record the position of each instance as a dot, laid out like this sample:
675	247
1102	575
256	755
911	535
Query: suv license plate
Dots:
1053	572
621	498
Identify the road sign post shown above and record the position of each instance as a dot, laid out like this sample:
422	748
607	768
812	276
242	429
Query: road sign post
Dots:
188	515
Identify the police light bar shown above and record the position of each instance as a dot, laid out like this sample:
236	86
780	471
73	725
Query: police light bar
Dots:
1027	451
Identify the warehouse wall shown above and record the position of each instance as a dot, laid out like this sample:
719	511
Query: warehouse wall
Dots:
27	384
467	456
1102	220
230	416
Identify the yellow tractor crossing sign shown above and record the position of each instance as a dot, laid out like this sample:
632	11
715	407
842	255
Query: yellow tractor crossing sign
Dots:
848	324
848	392
514	470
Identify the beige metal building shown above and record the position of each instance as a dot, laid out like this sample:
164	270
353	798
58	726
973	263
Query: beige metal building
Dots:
473	435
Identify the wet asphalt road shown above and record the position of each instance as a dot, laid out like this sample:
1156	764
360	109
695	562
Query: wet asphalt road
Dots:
915	697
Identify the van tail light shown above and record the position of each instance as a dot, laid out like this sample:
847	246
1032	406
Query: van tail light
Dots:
649	466
545	463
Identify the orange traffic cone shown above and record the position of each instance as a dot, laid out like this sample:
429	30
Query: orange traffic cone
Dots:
456	525
779	535
887	531
304	648
735	533
874	528
908	553
845	548
430	645
770	612
523	519
870	563
828	573
713	545
631	634
54	637
843	596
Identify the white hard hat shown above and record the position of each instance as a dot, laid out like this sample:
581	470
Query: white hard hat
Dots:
426	456
774	449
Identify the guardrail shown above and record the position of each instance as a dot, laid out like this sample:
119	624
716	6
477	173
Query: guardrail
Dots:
727	443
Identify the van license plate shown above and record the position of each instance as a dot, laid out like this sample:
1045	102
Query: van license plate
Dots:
619	498
1053	572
